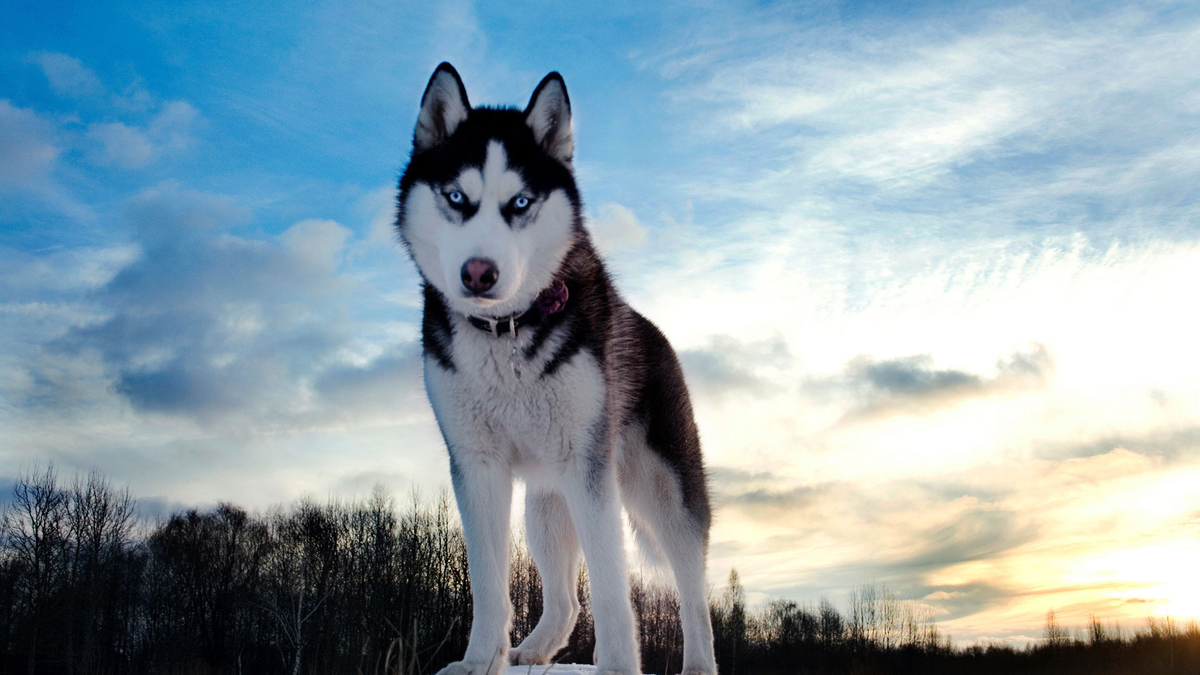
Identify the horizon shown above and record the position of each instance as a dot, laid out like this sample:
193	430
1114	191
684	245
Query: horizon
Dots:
151	517
931	272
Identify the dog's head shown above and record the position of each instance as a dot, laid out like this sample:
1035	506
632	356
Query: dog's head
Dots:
488	206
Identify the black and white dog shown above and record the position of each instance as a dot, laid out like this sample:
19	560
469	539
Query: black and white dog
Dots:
537	369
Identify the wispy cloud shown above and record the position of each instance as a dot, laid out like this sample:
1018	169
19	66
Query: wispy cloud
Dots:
1011	538
209	325
133	147
913	384
28	148
616	227
68	76
1012	118
727	364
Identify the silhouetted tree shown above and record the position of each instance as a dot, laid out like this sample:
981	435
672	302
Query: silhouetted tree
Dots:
360	587
37	537
1053	634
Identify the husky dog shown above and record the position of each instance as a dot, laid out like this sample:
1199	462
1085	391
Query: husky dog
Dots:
536	369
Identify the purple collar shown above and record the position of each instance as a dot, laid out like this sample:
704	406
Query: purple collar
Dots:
551	300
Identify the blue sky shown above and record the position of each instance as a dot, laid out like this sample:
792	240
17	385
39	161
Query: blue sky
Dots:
931	269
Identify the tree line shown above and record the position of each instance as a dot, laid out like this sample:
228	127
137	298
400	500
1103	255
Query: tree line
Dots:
363	587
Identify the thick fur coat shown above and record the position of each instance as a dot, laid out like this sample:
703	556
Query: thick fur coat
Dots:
538	370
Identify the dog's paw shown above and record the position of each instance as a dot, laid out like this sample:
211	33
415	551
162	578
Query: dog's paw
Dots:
470	668
528	656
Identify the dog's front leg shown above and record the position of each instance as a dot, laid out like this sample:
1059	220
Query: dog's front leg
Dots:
594	501
483	490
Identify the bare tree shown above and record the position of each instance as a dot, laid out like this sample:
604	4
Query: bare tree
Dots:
831	629
99	520
1053	634
301	566
205	568
729	624
37	534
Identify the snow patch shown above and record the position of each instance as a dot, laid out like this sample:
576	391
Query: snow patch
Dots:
553	669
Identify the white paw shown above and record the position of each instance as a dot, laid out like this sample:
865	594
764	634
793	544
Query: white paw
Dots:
471	668
528	656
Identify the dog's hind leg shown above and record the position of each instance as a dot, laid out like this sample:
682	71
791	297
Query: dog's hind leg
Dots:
684	546
555	549
653	494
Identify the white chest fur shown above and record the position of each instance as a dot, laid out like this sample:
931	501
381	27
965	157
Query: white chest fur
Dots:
499	403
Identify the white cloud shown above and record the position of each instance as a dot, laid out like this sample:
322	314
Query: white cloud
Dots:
68	76
900	108
169	211
121	145
130	147
172	126
27	146
616	227
68	270
379	205
919	143
318	242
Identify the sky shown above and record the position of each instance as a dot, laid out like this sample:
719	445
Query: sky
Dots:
932	269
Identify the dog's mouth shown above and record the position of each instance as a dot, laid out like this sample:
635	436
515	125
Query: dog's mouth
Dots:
481	304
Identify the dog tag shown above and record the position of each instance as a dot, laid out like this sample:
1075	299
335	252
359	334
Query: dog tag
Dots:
514	359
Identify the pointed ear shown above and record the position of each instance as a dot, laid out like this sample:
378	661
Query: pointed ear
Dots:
549	115
443	107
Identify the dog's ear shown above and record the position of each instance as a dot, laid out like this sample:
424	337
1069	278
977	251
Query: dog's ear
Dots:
549	115
443	107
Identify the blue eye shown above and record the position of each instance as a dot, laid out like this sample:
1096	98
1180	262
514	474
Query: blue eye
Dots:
456	197
521	203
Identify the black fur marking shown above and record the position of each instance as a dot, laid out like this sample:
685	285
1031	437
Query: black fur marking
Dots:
455	469
465	210
544	330
436	331
439	118
598	458
662	405
566	351
467	147
587	317
515	216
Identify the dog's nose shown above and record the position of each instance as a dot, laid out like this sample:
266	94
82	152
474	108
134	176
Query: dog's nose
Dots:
479	275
